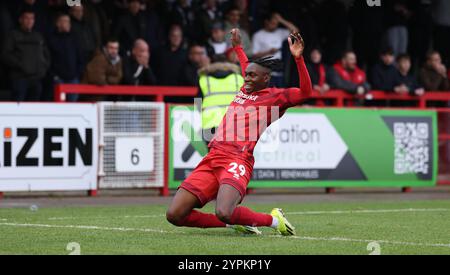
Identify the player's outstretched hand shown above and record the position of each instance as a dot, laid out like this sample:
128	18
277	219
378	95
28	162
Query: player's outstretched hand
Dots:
296	44
236	37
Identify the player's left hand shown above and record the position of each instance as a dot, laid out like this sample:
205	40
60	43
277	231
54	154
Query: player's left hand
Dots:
296	44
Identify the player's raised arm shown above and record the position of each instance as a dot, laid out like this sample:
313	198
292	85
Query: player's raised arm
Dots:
297	46
237	46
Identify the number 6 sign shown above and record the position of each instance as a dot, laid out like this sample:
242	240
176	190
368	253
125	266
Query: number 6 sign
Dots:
134	154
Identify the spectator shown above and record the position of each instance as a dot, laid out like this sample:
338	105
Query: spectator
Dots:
85	35
205	17
40	10
131	26
232	20
67	63
183	15
384	73
397	15
217	44
26	56
244	20
433	76
405	82
347	76
136	68
318	72
155	27
106	67
170	59
269	41
197	58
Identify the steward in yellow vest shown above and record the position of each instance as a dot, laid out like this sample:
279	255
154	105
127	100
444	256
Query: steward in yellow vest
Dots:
219	83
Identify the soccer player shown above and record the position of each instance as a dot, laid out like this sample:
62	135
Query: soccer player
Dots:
226	171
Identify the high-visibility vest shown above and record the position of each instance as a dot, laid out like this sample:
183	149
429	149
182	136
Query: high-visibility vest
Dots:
218	93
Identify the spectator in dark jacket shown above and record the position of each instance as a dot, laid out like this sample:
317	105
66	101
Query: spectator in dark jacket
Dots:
405	82
67	64
85	35
433	76
384	73
197	58
183	15
40	9
170	59
131	26
348	76
27	59
205	17
136	67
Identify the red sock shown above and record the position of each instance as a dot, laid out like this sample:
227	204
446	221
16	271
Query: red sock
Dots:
245	216
202	220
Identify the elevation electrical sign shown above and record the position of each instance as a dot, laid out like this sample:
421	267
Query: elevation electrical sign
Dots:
48	147
326	148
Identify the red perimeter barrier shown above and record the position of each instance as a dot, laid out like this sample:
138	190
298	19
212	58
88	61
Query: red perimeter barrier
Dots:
333	98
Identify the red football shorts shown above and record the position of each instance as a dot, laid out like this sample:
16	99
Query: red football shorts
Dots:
215	169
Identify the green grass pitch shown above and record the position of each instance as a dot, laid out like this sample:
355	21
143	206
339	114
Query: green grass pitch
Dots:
406	227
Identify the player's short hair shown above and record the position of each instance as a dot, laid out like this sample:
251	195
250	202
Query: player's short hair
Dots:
269	62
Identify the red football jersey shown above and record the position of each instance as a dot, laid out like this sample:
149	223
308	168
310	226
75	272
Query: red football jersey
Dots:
251	113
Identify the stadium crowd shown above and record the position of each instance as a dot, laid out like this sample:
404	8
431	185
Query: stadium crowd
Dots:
400	47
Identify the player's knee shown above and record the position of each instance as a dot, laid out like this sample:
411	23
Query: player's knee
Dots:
224	215
174	218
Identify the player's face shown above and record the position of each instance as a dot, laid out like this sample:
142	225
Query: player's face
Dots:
256	78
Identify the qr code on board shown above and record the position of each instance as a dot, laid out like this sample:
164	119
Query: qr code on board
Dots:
411	148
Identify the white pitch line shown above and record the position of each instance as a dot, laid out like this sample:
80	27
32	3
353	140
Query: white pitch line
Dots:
369	211
148	230
3	220
341	239
88	227
102	217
